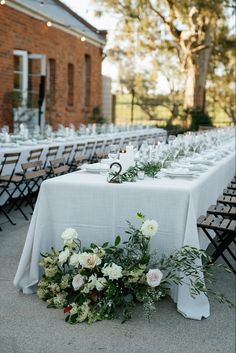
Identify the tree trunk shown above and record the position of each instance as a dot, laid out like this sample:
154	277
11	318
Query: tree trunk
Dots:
197	68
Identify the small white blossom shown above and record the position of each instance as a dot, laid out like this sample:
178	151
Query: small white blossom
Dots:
100	283
63	256
74	260
51	271
112	271
69	235
149	228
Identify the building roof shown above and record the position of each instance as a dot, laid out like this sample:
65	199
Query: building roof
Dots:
61	16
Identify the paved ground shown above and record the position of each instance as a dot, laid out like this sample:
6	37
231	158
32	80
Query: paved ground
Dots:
27	326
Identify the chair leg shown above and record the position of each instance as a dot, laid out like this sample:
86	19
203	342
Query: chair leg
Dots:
218	252
9	219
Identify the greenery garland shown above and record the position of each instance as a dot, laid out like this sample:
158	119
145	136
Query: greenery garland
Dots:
149	168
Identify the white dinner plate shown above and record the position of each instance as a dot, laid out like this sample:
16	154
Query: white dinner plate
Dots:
201	161
95	168
180	172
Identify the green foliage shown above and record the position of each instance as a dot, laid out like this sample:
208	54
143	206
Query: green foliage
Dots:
17	99
149	168
164	35
96	116
199	118
175	129
95	283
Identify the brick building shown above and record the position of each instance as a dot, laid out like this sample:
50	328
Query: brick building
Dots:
50	60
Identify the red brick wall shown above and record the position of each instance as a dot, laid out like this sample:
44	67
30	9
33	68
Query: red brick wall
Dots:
20	31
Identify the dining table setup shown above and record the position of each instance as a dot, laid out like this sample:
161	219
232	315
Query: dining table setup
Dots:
24	142
173	183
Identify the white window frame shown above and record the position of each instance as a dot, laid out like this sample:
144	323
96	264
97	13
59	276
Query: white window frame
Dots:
24	90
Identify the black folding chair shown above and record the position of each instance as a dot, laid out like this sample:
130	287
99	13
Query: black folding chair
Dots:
67	153
99	151
13	182
221	232
33	175
229	192
221	210
50	156
106	147
34	155
227	200
231	186
59	167
78	155
89	151
2	210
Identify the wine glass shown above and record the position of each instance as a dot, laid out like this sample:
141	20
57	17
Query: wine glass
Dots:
113	152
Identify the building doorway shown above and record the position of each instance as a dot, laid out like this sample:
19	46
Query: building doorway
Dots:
29	89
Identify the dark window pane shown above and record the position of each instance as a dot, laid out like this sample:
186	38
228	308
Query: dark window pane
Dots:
86	79
18	63
17	81
51	81
70	85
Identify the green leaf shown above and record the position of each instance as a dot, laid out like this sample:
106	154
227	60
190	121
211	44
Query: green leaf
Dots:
117	240
139	215
93	246
105	244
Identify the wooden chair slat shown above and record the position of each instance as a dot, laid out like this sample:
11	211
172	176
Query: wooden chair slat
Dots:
224	224
10	161
232	226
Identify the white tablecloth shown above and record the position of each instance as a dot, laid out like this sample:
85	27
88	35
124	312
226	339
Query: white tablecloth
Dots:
98	211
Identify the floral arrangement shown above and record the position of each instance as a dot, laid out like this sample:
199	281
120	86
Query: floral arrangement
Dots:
104	282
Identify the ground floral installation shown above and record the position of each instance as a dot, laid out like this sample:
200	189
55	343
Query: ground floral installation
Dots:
98	283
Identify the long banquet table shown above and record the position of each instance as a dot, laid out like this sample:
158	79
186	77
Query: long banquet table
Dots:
99	210
26	146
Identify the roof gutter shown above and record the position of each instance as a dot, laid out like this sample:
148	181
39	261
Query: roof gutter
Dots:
56	24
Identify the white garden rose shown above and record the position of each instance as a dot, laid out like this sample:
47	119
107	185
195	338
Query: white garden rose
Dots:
77	282
63	256
149	228
101	283
69	235
89	260
112	271
74	260
154	277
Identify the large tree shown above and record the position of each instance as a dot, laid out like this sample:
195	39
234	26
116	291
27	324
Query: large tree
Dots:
188	28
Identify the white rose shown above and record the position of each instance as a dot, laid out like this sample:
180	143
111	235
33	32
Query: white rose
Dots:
89	260
100	284
69	235
77	282
74	260
113	271
154	277
63	256
149	228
